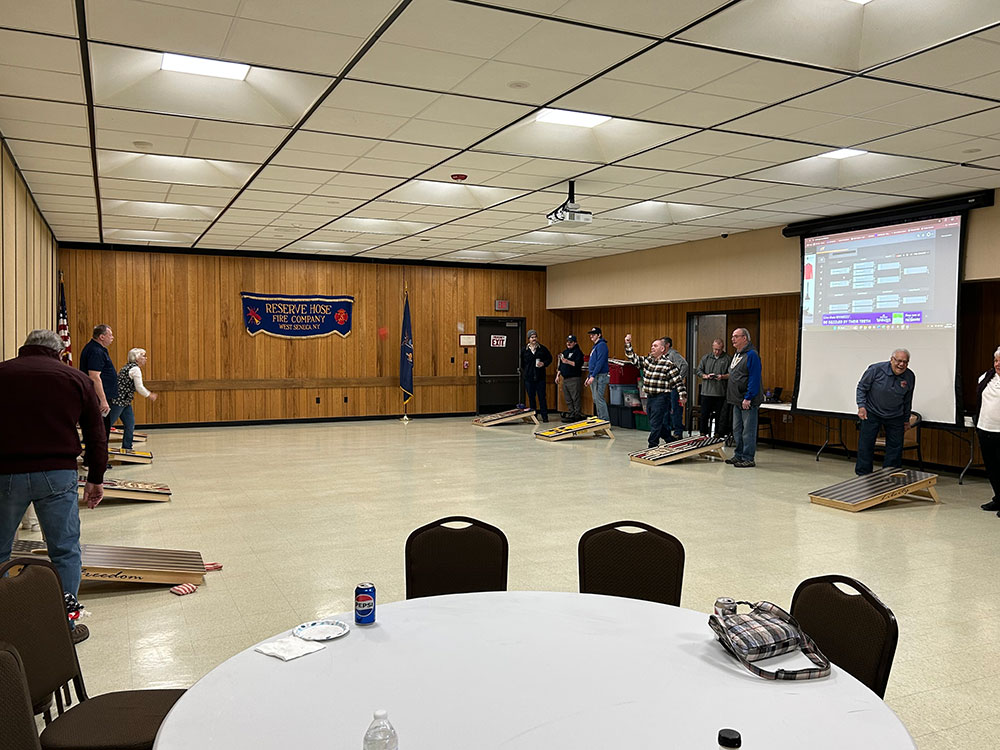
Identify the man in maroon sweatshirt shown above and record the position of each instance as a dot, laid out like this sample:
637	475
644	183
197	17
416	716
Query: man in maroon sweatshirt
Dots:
42	401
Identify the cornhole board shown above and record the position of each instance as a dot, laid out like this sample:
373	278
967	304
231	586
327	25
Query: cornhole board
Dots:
130	564
592	426
122	456
510	416
876	488
117	433
128	489
704	445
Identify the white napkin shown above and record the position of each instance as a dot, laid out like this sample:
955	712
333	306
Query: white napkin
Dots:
289	648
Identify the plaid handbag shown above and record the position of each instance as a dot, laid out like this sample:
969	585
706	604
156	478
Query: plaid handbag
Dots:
767	630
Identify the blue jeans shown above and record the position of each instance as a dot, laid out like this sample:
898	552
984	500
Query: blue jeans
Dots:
658	410
744	432
676	415
128	422
597	389
894	429
54	494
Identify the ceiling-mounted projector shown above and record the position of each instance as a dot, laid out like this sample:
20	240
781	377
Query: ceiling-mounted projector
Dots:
569	213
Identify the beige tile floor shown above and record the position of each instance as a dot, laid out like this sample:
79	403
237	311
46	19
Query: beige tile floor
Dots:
299	514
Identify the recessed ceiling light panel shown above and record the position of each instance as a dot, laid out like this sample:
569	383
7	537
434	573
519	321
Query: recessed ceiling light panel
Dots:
842	153
566	117
204	67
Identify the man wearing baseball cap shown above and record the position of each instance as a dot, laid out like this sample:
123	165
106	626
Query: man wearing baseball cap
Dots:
570	376
598	373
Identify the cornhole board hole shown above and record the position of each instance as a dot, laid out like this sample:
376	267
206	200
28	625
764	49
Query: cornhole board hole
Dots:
127	489
592	426
705	446
877	488
511	416
129	564
122	456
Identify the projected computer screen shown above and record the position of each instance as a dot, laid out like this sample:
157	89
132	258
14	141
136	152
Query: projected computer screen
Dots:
868	292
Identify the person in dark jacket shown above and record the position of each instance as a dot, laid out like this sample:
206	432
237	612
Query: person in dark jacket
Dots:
46	399
534	359
745	396
988	428
885	399
570	376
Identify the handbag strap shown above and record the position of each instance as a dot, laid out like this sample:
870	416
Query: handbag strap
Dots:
808	647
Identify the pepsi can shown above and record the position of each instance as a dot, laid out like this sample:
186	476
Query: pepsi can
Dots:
725	606
364	604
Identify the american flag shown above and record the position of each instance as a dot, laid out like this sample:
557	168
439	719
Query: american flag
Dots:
62	325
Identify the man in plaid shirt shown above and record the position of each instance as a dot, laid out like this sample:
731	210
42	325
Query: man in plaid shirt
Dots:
660	376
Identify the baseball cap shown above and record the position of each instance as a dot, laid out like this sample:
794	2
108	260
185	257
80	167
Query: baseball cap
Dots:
571	337
595	329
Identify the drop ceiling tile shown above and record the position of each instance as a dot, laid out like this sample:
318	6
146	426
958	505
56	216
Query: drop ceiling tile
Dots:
502	80
607	96
50	16
49	133
158	26
173	169
15	81
780	120
847	131
200	195
854	96
337	16
39	52
702	110
679	66
986	123
24	149
775	151
132	190
460	29
282	46
59	166
450	194
666	181
769	82
35	113
928	108
409	66
439	134
945	66
356	186
573	49
988	85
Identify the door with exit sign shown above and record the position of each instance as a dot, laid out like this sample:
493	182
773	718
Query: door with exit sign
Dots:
498	353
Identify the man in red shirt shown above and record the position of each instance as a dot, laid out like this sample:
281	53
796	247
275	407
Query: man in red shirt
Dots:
43	400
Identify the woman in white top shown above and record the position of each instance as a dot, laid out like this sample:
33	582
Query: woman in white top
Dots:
988	428
129	381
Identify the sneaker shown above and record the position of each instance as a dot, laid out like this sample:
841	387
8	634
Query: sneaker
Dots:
991	505
732	461
744	464
80	633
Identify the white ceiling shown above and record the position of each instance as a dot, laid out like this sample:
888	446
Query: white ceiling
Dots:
347	132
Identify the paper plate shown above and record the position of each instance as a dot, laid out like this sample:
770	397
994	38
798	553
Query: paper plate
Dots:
321	630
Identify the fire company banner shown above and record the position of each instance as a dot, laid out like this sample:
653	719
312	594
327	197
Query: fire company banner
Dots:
297	317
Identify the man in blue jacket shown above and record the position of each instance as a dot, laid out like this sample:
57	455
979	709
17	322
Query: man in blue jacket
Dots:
598	371
745	395
885	399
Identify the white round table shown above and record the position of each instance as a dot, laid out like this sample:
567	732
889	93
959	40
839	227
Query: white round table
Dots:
520	671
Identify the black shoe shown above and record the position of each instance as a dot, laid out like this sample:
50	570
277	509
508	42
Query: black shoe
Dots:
744	464
991	505
732	461
80	633
545	418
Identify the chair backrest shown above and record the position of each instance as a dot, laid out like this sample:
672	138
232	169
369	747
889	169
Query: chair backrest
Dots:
16	716
446	560
33	620
856	631
644	565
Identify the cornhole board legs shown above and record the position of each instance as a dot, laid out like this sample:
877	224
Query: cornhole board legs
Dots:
877	488
130	564
705	446
506	417
592	426
127	489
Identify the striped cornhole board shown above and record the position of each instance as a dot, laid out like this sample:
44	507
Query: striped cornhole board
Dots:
705	445
876	488
130	564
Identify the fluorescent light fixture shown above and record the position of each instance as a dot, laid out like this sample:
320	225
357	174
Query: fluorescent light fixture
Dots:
566	117
200	66
842	153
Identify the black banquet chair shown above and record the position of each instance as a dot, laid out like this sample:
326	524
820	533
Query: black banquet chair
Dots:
856	631
33	620
648	564
16	717
444	559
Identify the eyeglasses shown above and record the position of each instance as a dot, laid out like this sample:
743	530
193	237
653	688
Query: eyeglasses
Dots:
900	361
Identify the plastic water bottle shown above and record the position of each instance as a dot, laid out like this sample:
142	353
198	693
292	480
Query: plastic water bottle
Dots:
380	734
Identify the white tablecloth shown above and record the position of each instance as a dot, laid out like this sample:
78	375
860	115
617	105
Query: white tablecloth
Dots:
520	671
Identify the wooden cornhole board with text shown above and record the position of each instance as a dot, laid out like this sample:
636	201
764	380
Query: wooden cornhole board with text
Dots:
511	416
705	445
128	489
130	564
592	426
877	488
122	456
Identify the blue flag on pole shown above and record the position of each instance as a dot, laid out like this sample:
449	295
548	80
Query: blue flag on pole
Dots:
406	354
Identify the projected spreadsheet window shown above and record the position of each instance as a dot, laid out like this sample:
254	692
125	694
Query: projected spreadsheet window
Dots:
880	279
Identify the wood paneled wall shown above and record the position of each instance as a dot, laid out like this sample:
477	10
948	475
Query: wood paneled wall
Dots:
27	262
186	311
778	344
